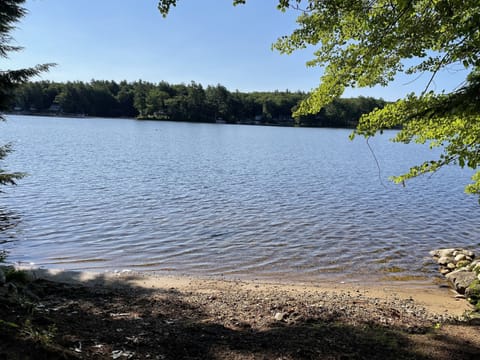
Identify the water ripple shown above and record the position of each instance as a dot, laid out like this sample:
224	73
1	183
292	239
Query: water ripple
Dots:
272	203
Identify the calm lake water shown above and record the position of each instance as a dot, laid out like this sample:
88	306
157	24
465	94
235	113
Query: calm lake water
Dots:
239	201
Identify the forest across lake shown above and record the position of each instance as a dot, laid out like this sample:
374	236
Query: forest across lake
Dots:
183	102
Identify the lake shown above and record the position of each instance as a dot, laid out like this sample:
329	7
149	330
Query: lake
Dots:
249	202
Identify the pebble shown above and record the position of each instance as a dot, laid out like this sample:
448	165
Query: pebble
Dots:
116	354
279	316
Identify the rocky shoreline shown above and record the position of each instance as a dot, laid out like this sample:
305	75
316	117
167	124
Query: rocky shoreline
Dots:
462	271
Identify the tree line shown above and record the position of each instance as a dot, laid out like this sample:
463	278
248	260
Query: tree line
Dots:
183	102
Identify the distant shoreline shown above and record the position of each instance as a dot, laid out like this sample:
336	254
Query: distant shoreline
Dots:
246	122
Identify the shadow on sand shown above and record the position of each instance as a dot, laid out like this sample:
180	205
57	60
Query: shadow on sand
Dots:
89	320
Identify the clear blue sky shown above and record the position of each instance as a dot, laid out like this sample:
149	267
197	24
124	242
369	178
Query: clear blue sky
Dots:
206	41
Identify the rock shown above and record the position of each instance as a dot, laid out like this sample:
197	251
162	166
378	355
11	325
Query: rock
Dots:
2	277
279	316
449	252
473	293
462	263
117	354
469	254
444	260
444	271
475	266
461	279
473	289
462	272
452	252
460	257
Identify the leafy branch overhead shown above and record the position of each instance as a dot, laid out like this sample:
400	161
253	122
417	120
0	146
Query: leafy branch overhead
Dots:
364	43
164	6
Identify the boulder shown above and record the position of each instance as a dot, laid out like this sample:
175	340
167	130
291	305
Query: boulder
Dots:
461	279
466	278
469	253
473	291
444	260
462	263
475	266
444	271
443	253
451	266
460	257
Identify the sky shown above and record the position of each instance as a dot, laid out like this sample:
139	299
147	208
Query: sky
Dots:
207	41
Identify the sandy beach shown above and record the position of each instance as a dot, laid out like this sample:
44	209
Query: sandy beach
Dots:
81	315
436	298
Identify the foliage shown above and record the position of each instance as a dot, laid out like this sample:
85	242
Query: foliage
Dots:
363	43
8	324
450	121
8	178
14	275
181	102
164	6
473	292
11	11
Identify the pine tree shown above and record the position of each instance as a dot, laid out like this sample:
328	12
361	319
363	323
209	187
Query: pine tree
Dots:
11	11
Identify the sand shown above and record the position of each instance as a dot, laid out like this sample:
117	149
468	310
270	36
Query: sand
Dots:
435	298
84	315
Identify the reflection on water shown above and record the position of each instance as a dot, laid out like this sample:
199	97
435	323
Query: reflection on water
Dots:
239	201
8	221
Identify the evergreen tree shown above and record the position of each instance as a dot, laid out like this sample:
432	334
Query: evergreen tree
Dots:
11	11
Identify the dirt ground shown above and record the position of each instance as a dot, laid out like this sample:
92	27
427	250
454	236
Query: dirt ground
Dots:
193	319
